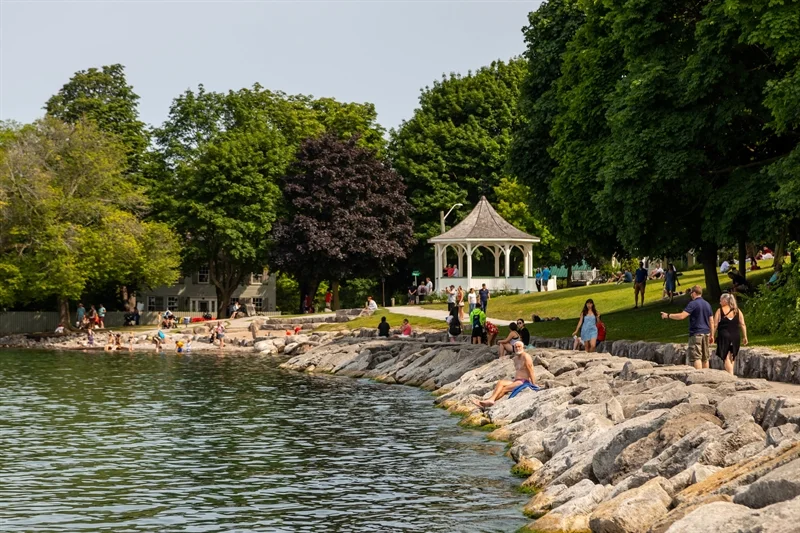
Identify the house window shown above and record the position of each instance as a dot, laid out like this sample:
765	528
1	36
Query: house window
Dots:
172	303
257	279
202	274
155	303
258	303
234	300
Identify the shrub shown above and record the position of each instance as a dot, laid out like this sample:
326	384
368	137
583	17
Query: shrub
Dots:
776	310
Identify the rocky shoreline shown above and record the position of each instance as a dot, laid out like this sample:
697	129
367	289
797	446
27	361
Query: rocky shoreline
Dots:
611	444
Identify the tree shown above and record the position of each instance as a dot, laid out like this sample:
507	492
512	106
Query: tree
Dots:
105	97
347	215
454	148
69	220
219	161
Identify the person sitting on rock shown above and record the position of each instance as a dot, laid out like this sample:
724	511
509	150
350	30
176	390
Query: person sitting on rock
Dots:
370	307
383	328
523	365
405	330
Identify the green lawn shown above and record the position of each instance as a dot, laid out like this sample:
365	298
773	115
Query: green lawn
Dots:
395	320
615	304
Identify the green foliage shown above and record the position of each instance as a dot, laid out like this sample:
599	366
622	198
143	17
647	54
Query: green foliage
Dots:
454	149
287	292
69	220
353	292
775	310
104	97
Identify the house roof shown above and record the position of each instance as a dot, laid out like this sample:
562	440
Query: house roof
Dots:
483	224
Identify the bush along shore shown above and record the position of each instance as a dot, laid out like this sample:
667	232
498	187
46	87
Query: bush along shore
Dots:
610	444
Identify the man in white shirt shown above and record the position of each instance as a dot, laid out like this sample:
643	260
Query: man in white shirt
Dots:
451	298
724	267
429	285
455	272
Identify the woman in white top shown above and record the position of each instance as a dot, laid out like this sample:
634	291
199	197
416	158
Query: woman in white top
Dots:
472	297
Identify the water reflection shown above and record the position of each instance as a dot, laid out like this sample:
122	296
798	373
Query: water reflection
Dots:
162	443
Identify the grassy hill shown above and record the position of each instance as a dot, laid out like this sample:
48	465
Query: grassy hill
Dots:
615	304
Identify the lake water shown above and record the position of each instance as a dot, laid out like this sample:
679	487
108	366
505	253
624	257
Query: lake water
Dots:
145	442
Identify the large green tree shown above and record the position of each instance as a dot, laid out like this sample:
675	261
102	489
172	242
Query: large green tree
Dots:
68	219
104	96
454	149
216	174
347	215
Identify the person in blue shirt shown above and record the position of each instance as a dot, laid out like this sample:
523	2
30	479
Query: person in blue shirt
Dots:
627	277
545	277
640	284
538	277
701	324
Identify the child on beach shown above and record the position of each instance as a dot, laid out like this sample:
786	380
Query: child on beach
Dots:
179	347
90	337
158	339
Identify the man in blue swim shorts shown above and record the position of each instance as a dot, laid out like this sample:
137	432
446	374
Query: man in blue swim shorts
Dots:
523	366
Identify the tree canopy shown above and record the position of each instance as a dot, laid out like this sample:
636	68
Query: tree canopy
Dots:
70	221
105	97
347	214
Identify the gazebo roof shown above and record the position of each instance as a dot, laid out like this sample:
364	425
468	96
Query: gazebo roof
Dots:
483	224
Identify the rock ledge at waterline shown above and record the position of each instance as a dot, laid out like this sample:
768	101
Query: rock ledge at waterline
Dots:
612	445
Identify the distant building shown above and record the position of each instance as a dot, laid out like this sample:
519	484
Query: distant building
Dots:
197	294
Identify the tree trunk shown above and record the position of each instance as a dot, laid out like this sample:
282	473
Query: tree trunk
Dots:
335	290
63	313
569	274
743	256
780	246
708	256
223	301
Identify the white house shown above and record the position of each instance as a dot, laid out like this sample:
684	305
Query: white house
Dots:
197	294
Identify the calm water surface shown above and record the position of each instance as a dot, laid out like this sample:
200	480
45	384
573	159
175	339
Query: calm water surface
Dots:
92	442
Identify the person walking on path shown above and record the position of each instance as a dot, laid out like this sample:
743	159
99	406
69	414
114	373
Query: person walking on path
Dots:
328	299
640	284
412	295
478	320
545	278
728	320
429	285
484	296
671	282
538	278
700	327
460	303
587	326
451	298
472	298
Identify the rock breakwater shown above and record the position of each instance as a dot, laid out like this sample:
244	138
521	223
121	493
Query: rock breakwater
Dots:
611	444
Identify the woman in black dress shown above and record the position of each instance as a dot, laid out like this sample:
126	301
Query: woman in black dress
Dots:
728	320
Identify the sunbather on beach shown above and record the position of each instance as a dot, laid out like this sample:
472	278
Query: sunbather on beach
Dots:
523	374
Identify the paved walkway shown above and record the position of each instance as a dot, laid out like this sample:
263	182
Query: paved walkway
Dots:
441	314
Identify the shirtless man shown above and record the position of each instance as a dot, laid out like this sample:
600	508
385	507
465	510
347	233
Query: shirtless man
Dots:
523	366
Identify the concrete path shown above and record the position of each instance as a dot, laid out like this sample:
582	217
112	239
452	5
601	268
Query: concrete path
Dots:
440	314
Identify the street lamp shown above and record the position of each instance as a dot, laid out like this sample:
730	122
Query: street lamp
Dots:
443	216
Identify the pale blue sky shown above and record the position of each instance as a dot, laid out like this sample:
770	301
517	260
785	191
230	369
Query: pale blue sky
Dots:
376	51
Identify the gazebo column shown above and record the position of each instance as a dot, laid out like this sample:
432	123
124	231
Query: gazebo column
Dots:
496	252
469	266
437	266
527	264
460	251
507	250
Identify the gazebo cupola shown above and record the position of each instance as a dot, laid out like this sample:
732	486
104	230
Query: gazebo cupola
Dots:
484	228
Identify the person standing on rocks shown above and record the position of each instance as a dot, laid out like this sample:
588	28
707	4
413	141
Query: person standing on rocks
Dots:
728	320
523	373
478	320
700	327
587	326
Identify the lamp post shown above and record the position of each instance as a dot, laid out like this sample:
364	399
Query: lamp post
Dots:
442	216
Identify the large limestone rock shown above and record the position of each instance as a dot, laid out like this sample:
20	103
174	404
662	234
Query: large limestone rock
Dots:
633	511
780	485
572	515
725	517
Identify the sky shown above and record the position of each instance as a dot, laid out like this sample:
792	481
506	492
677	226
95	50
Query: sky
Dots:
382	52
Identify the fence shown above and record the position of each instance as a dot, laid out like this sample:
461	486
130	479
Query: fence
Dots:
36	322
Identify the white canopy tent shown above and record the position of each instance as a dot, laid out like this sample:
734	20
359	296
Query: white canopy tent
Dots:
484	228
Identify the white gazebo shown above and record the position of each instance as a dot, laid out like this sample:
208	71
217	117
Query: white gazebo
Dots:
484	228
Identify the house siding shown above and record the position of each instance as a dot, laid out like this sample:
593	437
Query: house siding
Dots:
189	289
